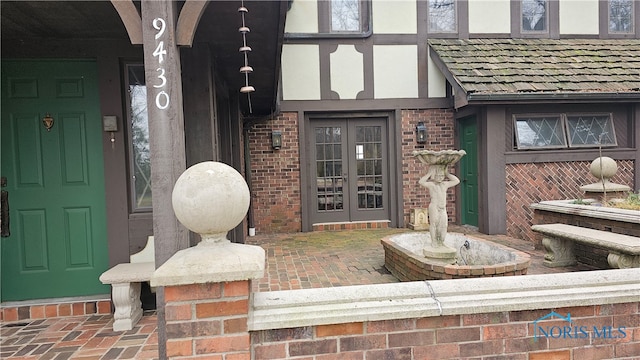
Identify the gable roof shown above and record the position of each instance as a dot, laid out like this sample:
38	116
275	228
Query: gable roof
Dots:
539	69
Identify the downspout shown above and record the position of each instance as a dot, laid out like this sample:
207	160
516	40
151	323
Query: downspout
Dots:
247	175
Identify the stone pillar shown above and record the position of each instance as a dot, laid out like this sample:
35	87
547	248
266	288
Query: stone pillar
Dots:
207	287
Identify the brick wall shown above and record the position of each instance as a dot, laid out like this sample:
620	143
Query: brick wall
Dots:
56	309
275	176
208	321
534	182
440	136
501	335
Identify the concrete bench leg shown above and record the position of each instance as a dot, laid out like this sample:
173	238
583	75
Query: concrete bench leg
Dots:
559	252
623	261
128	308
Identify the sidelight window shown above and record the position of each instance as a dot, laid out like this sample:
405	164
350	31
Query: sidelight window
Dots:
139	153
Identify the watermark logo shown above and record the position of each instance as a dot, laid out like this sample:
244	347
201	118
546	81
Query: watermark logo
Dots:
568	329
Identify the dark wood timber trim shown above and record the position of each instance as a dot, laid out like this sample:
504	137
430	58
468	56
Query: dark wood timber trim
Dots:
130	18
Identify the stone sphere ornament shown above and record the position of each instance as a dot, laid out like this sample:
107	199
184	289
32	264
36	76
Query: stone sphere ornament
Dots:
603	168
210	198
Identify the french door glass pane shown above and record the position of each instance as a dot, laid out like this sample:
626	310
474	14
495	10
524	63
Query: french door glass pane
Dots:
369	167
329	180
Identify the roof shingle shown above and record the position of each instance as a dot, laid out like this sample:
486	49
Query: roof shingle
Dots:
540	66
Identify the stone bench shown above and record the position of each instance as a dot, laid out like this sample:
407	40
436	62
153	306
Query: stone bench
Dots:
559	239
125	280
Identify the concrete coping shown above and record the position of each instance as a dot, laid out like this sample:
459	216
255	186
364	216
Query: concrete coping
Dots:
598	212
310	307
216	262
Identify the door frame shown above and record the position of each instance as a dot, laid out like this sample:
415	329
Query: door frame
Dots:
394	161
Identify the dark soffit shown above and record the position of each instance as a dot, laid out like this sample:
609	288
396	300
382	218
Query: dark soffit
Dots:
87	20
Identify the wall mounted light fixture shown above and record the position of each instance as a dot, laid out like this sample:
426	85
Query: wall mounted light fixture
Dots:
276	139
421	133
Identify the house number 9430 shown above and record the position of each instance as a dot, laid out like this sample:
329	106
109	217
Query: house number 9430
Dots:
162	98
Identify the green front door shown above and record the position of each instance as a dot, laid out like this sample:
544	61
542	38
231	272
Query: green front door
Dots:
57	246
469	171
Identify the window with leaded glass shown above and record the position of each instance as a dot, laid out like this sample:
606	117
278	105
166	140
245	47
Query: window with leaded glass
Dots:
621	16
140	159
442	16
557	131
534	15
539	132
590	130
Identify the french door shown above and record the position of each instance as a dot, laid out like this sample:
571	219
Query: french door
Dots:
349	170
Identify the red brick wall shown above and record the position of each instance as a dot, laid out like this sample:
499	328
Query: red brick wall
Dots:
504	335
208	320
531	183
275	176
440	136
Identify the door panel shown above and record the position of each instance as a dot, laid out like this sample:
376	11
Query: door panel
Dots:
469	171
368	144
349	173
330	175
57	246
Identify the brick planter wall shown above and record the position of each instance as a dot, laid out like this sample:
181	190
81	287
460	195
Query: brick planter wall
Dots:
208	320
501	335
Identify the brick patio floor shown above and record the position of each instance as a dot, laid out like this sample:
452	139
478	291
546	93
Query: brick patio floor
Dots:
294	261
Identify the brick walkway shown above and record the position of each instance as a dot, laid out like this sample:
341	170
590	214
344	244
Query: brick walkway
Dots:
294	261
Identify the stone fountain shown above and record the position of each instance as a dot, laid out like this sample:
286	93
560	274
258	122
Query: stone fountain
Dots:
437	181
438	254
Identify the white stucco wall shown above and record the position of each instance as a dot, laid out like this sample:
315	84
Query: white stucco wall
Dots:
302	17
437	82
578	17
394	16
347	72
301	72
395	71
489	17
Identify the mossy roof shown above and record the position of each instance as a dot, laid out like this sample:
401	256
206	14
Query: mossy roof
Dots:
536	67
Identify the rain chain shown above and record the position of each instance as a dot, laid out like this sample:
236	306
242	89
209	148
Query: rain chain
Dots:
246	69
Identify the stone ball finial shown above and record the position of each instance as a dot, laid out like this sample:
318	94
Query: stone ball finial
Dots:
210	198
603	168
